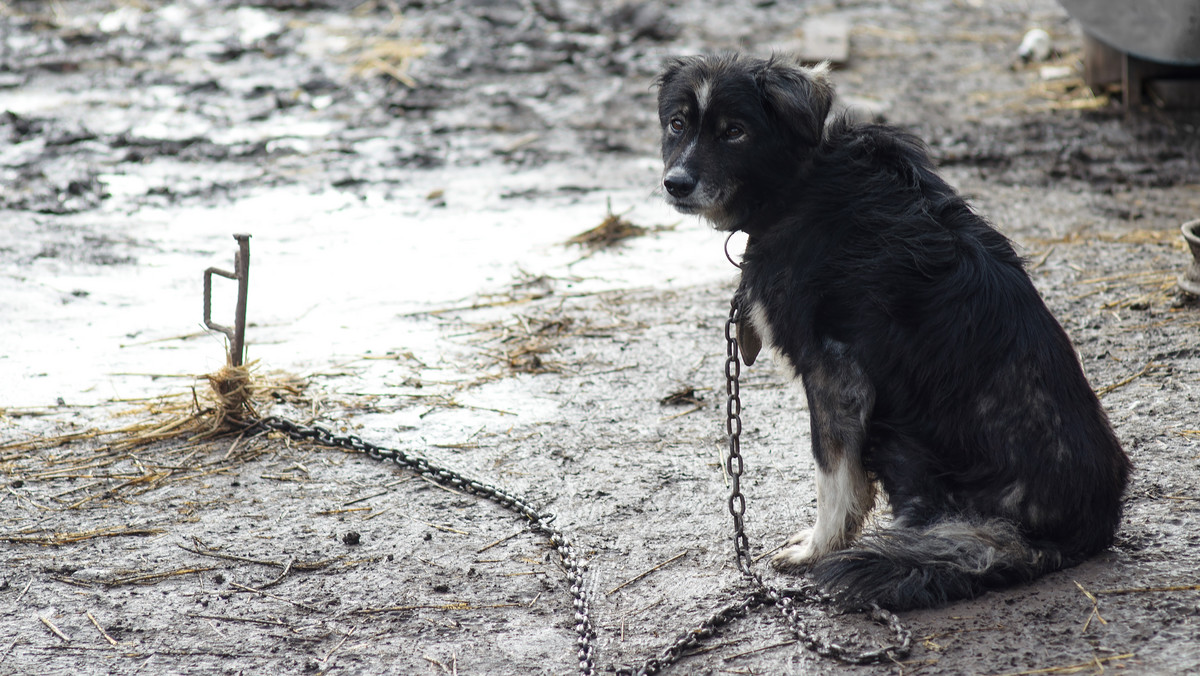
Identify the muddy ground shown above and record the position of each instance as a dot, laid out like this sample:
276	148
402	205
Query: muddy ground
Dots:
410	172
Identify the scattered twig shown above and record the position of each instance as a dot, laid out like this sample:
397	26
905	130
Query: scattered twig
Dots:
639	576
1095	608
260	592
435	484
769	552
454	605
251	620
292	564
502	540
229	557
111	641
286	569
451	670
55	539
381	512
11	645
363	499
152	577
57	632
1154	275
331	512
23	591
1147	590
1125	381
634	613
340	643
444	529
1043	259
759	650
1071	668
690	411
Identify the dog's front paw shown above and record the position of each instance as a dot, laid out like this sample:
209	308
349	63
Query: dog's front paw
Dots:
800	553
800	537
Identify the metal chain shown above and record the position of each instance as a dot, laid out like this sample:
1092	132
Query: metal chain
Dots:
539	522
782	599
576	569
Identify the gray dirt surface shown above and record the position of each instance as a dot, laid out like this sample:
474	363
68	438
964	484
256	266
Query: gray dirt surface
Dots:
263	555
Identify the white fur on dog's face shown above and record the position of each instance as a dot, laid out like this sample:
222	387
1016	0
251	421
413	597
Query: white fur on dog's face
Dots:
731	126
685	166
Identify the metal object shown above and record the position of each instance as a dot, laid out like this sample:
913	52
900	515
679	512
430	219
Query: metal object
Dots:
576	570
539	522
237	334
1152	48
1190	280
783	599
729	257
1166	85
1165	31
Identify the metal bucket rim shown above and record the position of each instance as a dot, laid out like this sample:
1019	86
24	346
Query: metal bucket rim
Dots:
1191	232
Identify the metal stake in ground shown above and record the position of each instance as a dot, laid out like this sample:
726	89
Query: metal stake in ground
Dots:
241	267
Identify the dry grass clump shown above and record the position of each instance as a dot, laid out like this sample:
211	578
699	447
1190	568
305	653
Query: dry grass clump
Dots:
1135	236
177	437
1136	290
232	393
235	397
611	231
391	57
389	53
525	343
534	340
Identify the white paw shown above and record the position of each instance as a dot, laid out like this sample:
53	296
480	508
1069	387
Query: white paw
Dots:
800	536
799	554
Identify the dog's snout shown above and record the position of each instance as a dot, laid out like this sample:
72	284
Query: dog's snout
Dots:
679	183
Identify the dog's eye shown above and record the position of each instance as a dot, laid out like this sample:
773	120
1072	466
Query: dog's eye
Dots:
676	125
735	132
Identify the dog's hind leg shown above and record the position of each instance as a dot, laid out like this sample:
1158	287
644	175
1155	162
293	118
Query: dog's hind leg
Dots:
840	399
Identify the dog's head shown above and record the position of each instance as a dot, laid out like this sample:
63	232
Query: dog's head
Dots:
734	130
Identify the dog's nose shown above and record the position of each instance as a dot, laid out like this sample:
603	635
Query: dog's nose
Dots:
679	184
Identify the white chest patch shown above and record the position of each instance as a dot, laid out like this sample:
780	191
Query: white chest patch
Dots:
758	319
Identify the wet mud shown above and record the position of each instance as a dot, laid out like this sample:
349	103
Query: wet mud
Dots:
413	174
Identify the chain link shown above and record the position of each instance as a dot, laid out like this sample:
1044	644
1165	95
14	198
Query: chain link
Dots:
539	522
576	569
783	599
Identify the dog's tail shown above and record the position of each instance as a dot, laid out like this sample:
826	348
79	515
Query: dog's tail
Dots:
905	568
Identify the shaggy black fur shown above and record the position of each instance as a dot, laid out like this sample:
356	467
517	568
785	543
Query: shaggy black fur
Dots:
931	364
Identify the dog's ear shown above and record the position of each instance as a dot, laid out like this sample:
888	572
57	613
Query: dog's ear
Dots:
670	70
797	97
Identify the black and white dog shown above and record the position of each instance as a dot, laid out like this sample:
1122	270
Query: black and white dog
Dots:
931	365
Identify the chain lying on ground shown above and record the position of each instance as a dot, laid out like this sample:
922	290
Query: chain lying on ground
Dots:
575	569
538	521
762	593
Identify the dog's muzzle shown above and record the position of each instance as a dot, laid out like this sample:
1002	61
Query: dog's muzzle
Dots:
679	183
